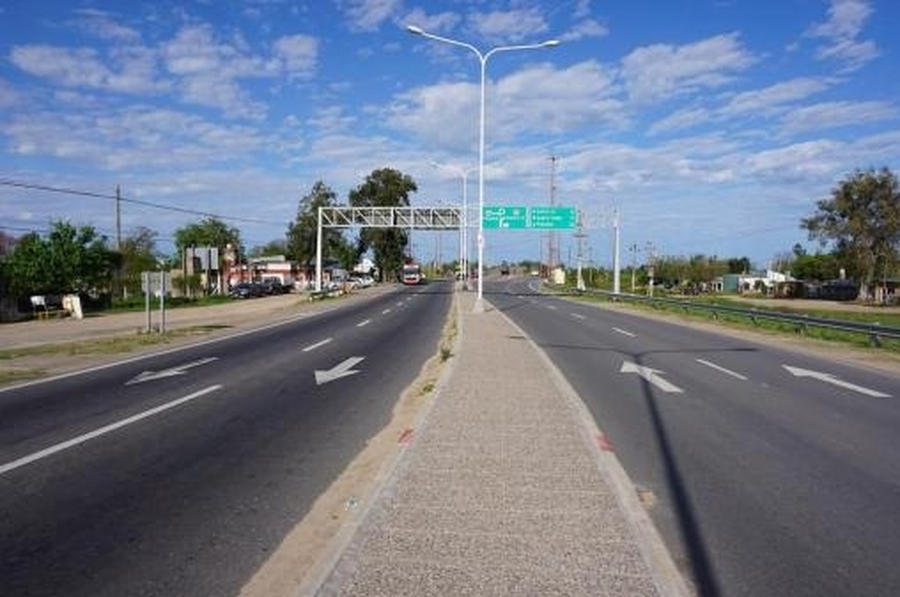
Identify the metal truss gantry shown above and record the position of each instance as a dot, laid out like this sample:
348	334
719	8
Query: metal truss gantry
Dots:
409	218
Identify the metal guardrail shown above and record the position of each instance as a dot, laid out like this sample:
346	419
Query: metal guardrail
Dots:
874	331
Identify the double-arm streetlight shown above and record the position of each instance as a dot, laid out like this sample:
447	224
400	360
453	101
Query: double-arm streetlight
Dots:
464	218
483	58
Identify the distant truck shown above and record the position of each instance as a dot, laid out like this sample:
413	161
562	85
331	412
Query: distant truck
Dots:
412	274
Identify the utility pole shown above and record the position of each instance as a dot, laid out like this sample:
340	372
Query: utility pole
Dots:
580	236
552	247
118	219
617	286
633	248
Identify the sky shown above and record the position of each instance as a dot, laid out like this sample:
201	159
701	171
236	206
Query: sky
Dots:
709	126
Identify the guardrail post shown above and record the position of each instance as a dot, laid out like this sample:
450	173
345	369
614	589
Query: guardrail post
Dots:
875	337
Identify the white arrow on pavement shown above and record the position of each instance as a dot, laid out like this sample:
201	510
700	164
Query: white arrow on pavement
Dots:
171	372
832	379
650	375
338	371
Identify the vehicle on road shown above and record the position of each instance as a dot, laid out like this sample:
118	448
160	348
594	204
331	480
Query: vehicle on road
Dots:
412	274
246	290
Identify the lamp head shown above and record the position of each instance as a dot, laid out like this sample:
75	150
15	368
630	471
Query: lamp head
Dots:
415	30
551	43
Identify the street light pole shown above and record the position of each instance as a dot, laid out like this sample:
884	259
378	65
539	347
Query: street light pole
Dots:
483	59
464	218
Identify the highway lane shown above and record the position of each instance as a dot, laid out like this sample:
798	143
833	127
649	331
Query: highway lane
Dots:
240	439
763	480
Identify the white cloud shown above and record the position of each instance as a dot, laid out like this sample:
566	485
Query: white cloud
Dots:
134	72
103	25
838	114
583	29
658	72
8	95
368	15
436	23
680	119
298	53
775	97
518	25
846	19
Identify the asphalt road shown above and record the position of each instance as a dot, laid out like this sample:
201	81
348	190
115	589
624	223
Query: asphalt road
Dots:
768	472
180	474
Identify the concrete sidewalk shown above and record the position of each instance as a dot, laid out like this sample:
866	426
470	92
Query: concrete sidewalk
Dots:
505	489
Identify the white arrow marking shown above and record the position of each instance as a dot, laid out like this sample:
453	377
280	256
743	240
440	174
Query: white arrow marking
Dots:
338	371
722	369
650	375
832	379
171	372
623	332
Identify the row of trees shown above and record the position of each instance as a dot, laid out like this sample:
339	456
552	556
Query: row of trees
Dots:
857	227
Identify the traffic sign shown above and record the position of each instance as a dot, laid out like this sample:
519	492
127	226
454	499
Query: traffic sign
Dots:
505	217
553	217
519	218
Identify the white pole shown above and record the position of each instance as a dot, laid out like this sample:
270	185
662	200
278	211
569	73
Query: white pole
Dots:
617	285
319	254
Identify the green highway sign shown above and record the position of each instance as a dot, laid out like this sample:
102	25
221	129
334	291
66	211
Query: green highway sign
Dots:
520	218
547	218
505	217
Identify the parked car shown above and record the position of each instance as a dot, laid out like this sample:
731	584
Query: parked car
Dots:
245	290
273	286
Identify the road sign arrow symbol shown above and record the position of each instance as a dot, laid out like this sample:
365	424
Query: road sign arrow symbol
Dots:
650	375
340	370
171	372
833	380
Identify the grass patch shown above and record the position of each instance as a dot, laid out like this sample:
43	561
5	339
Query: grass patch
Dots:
8	377
111	345
775	328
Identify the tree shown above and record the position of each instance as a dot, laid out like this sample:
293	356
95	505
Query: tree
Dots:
270	249
384	188
861	222
137	254
302	233
211	232
69	261
739	265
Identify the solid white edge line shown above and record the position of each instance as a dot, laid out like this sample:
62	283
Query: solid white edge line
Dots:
103	430
319	344
722	369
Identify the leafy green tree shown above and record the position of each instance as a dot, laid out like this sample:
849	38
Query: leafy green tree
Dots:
137	254
69	261
302	232
861	222
210	232
739	265
384	188
271	248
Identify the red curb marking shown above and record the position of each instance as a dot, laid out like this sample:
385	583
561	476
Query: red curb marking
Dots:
604	443
405	437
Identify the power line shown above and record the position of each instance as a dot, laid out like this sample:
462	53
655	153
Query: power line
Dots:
68	191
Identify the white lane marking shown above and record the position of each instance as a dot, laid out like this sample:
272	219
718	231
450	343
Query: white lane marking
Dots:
363	323
319	344
551	307
400	304
170	372
624	332
578	316
386	311
832	379
651	376
103	430
722	369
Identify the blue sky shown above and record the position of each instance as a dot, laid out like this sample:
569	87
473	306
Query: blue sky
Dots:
712	125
